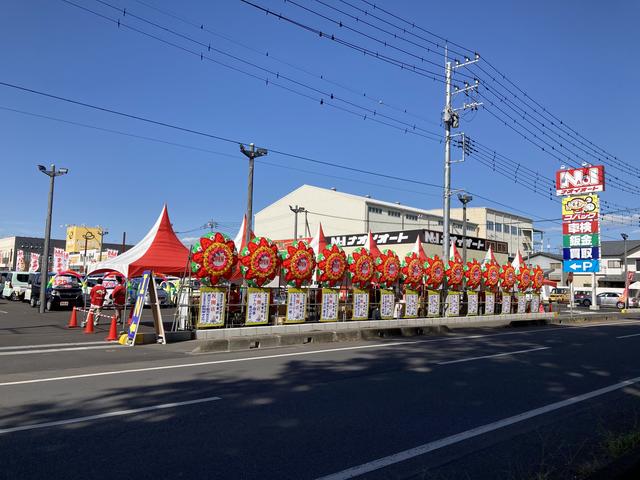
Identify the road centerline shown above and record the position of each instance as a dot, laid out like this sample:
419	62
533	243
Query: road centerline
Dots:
503	354
629	336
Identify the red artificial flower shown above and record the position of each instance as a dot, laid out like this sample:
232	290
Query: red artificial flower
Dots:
388	268
332	264
434	271
524	278
361	267
412	271
259	261
508	277
215	258
537	278
299	263
473	274
491	275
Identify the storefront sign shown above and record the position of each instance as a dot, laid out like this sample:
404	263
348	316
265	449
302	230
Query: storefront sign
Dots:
411	299
387	304
329	308
580	180
472	303
506	303
360	304
489	303
212	307
257	306
522	302
433	303
296	305
452	305
581	253
581	240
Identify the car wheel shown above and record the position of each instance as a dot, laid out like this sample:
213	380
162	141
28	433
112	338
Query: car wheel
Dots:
13	297
620	305
33	302
586	303
49	305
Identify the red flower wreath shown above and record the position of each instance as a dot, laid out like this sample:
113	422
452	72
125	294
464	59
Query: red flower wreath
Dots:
388	268
213	257
434	271
332	264
524	278
473	274
361	267
491	275
298	264
259	261
508	277
412	271
537	278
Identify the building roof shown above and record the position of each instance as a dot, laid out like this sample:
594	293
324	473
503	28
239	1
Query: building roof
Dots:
615	248
553	256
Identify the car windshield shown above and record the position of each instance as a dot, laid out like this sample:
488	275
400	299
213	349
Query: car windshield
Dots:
22	277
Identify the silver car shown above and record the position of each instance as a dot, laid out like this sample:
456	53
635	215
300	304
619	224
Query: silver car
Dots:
610	299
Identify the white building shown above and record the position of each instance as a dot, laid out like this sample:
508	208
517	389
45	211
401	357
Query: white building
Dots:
343	213
611	274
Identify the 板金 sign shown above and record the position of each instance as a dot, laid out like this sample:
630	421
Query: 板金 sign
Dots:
580	180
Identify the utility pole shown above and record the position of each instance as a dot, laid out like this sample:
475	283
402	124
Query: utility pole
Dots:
626	268
44	272
296	211
451	119
124	241
251	153
103	232
211	225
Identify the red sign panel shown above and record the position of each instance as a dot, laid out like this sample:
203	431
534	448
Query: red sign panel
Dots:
580	180
574	228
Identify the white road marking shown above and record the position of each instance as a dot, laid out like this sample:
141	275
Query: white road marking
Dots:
627	336
51	350
117	413
50	345
2	311
474	432
469	359
313	352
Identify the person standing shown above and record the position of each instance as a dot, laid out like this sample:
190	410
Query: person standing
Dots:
97	296
119	295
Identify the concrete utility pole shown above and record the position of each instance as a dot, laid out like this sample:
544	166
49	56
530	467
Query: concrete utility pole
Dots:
296	210
451	119
626	269
44	272
251	153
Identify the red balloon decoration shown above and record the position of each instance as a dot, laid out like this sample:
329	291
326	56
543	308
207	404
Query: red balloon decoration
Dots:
412	271
361	267
388	268
434	271
332	265
298	263
213	257
473	274
259	261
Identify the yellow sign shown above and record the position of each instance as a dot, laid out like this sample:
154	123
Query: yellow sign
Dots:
77	236
581	204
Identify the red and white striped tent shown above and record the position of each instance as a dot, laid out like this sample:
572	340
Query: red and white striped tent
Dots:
160	251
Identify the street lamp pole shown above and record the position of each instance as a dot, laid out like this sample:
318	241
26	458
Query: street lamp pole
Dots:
44	272
626	268
87	236
464	199
251	153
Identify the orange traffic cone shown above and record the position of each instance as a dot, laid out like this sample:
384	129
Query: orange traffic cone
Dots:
88	328
113	330
73	320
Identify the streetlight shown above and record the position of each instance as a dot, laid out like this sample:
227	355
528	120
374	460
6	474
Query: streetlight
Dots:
251	153
88	235
103	232
44	273
464	199
626	278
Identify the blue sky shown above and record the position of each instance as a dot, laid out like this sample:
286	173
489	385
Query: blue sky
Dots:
576	58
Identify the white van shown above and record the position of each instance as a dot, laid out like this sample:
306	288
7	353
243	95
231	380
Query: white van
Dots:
15	285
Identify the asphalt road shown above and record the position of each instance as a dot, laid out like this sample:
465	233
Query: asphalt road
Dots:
399	408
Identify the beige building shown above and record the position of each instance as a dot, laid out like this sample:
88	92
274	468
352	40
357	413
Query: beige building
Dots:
343	213
516	231
346	219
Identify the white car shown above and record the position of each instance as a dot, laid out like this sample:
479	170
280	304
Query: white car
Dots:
15	285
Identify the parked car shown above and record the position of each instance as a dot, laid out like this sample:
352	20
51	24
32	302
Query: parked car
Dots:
61	291
610	299
582	298
132	291
15	285
559	295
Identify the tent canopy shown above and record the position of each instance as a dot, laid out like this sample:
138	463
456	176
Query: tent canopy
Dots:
160	250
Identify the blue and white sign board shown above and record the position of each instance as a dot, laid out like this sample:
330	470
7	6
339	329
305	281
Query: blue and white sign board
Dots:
581	253
581	266
147	288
